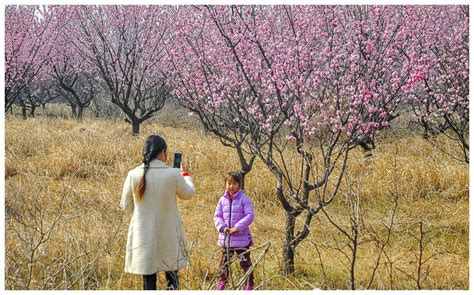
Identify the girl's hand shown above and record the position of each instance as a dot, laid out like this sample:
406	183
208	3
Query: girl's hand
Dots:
232	230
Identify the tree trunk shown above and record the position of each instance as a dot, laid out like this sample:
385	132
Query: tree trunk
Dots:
32	112
73	110
23	112
353	261
135	128
245	165
288	247
80	112
243	173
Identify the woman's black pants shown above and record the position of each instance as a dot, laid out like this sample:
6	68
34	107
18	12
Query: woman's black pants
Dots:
172	281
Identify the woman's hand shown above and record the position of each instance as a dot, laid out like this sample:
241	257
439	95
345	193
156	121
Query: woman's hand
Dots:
182	171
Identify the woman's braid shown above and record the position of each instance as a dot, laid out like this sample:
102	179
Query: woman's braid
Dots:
154	145
142	184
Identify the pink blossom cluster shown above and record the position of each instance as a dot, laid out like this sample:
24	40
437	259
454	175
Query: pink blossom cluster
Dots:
443	94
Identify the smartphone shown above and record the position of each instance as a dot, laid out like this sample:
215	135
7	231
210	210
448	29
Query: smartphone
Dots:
177	160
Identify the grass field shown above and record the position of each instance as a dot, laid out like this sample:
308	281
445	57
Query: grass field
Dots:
64	229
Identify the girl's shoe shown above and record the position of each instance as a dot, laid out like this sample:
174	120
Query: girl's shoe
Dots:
220	285
248	287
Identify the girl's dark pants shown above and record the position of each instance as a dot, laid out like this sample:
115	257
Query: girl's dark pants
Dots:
172	281
244	261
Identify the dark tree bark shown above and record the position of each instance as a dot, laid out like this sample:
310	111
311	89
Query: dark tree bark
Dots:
78	89
32	110
135	128
24	112
288	247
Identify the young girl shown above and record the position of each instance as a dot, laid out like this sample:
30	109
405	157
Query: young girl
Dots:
234	214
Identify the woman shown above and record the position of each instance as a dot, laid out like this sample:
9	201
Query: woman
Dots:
156	240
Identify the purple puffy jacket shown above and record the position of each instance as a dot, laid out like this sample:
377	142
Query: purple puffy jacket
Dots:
241	216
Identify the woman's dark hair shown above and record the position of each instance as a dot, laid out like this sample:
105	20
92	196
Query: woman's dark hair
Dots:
236	176
154	145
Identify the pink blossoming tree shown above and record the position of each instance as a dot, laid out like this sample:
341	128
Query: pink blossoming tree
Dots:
207	71
441	101
306	92
30	32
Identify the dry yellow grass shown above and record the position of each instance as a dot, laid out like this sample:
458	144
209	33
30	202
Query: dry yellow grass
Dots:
84	164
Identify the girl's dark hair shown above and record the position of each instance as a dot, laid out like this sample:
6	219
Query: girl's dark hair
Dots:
154	145
236	176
